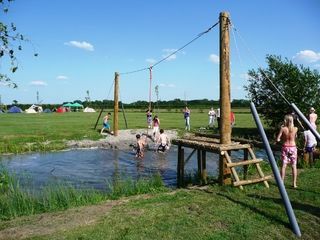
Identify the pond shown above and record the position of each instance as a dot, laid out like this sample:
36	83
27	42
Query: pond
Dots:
95	168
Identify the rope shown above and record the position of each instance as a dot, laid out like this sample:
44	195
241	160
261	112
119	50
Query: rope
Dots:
263	72
150	71
178	50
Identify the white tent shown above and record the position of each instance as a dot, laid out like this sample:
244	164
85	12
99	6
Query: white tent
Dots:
87	109
34	109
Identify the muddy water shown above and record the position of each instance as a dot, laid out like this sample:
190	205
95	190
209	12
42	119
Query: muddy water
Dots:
95	168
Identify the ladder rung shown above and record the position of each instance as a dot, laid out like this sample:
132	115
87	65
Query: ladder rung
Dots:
245	162
230	147
245	182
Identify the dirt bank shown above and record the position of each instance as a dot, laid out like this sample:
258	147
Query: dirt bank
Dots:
124	140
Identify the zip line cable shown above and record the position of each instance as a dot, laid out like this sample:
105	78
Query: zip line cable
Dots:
179	49
264	73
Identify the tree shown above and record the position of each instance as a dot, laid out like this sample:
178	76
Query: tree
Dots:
297	84
10	42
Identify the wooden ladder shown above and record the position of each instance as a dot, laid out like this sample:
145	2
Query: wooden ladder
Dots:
232	165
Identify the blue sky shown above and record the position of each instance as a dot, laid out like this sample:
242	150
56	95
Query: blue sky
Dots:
81	44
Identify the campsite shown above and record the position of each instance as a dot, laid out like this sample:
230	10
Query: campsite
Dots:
126	120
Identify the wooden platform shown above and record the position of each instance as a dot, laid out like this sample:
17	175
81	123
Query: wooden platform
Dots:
227	165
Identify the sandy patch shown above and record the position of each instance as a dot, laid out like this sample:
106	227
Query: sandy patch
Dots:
124	140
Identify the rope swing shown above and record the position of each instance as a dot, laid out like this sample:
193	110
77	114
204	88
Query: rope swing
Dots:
150	86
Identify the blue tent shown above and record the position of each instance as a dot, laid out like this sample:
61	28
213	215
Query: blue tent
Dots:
14	109
47	110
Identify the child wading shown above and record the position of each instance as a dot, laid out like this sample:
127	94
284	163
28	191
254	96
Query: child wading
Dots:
140	146
156	125
163	141
288	134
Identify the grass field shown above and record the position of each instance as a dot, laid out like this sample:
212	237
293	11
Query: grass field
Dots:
218	212
49	131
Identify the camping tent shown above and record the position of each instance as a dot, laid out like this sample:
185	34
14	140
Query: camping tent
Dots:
47	110
87	109
34	109
14	109
73	105
61	109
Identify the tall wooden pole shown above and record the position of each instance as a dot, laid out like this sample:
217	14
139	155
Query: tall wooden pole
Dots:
116	105
225	105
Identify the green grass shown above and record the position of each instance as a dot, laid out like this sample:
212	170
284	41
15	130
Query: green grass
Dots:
44	132
15	201
216	213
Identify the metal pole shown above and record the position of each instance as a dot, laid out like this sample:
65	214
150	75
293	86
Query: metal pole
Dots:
282	190
306	121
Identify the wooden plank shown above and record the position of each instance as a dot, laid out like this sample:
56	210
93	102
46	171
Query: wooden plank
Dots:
234	172
245	162
245	182
238	146
261	174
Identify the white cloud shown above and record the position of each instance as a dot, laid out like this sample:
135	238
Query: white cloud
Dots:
38	83
62	77
150	61
214	58
83	45
170	85
167	52
307	56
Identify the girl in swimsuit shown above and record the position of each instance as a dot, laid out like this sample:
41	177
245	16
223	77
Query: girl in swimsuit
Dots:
288	134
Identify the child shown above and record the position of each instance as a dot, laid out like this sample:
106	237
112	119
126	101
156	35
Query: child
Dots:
310	143
164	142
106	124
288	134
140	146
313	118
149	118
156	125
186	114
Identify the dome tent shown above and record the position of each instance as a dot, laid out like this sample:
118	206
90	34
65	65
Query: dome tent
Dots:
14	109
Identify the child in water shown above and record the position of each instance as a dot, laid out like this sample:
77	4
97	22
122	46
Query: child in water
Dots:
140	146
164	142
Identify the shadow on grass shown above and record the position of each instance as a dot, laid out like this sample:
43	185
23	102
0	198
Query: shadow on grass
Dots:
295	205
256	210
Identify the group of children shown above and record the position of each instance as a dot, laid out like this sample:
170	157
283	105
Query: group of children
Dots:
289	153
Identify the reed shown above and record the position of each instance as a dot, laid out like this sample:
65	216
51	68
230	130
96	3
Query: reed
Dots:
16	201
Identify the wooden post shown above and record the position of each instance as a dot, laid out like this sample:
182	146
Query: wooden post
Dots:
199	158
225	105
180	166
204	167
116	105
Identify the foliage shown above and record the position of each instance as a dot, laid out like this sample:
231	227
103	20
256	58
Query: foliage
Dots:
298	84
8	37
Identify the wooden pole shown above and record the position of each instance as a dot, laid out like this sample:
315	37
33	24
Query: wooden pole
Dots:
225	106
116	105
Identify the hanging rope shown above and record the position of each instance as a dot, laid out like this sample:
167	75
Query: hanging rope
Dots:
263	72
171	54
150	85
102	108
